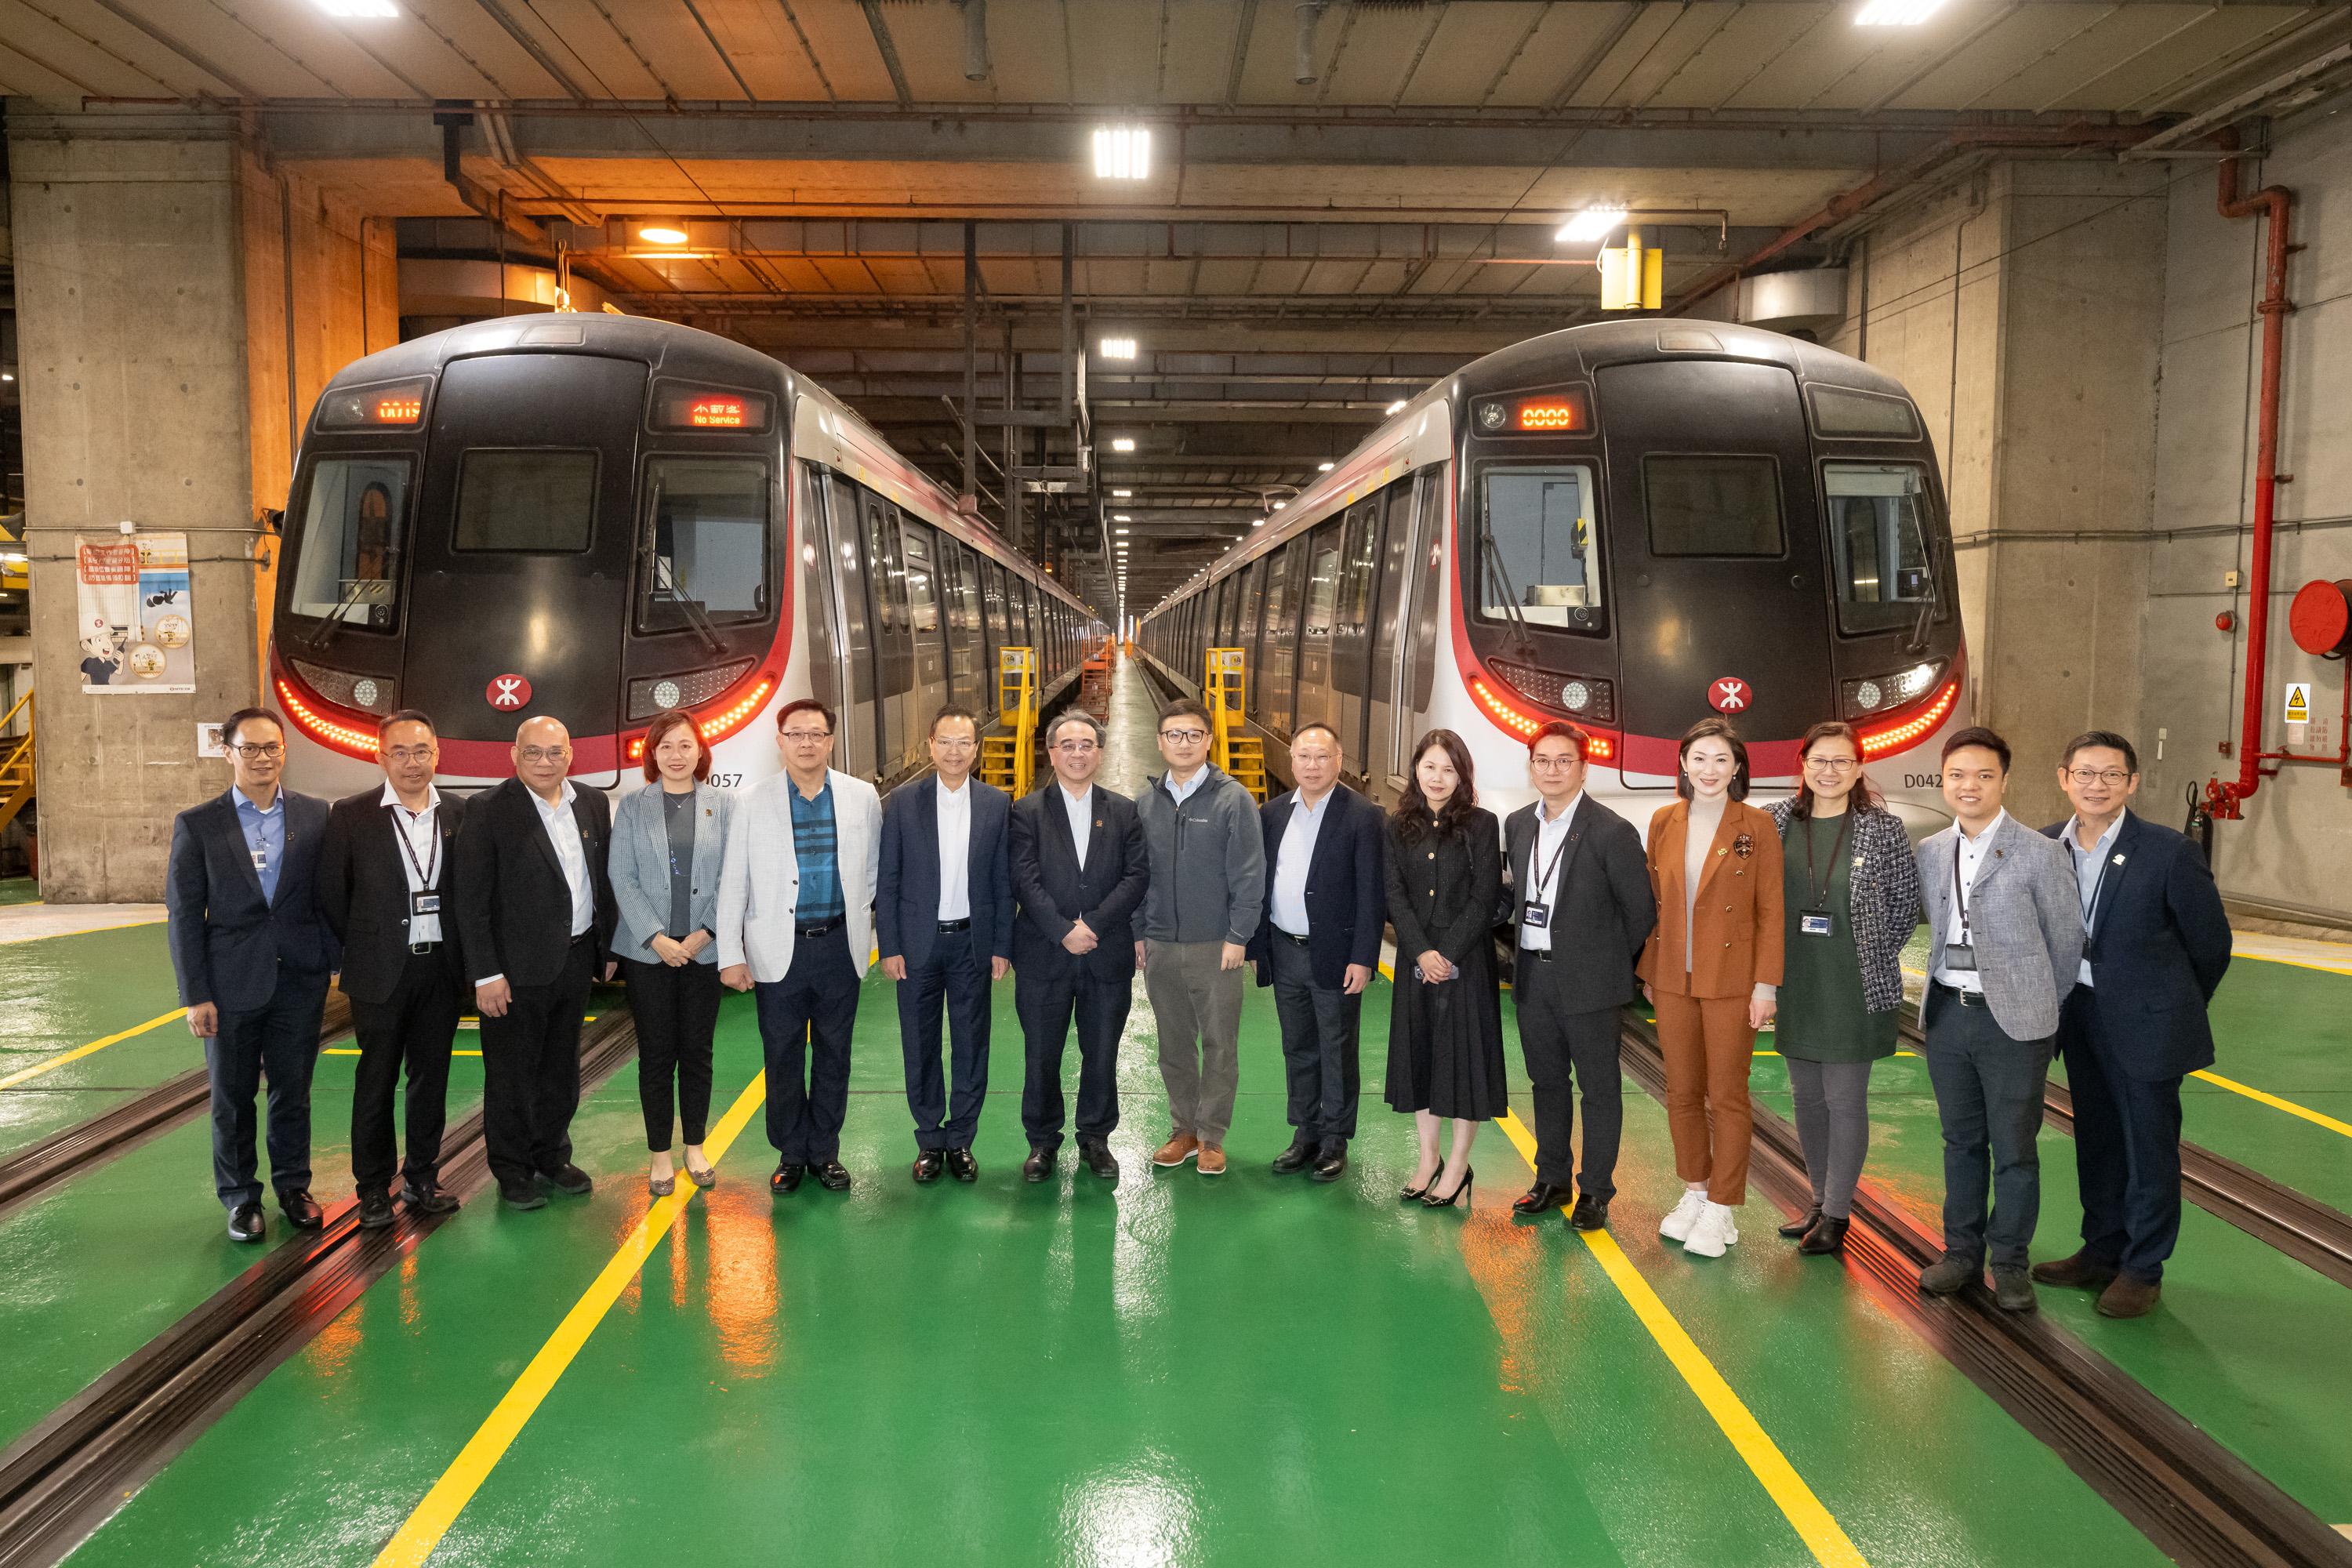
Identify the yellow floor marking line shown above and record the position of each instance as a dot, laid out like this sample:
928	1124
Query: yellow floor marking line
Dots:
423	1531
354	1050
2293	963
80	930
14	1079
2273	1100
1813	1523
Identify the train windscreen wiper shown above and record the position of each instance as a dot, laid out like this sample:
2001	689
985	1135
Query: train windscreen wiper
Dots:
315	639
649	564
1498	576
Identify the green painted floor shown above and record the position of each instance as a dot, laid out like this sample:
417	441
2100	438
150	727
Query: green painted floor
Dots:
58	993
20	891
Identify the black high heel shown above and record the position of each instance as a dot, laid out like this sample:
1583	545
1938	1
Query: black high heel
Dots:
1461	1195
1414	1195
1797	1228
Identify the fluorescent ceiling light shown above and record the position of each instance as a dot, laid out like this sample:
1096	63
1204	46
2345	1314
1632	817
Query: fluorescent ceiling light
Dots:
1121	517
1280	504
1396	407
1122	495
1895	13
1322	467
1125	531
1259	523
661	234
1122	151
1118	348
1595	222
1122	443
371	8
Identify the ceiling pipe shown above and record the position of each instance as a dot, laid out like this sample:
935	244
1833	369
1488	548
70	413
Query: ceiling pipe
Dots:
1310	14
975	40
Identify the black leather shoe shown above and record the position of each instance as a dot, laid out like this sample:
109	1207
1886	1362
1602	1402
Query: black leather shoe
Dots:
301	1211
1097	1157
375	1211
246	1223
2080	1272
425	1197
787	1177
1541	1198
522	1194
1039	1165
832	1176
1331	1161
962	1167
1295	1159
569	1178
1827	1236
1804	1222
1591	1214
927	1165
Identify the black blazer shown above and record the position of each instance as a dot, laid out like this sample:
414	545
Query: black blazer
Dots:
227	945
1346	895
907	888
1056	895
2160	944
1602	908
363	891
514	908
1442	887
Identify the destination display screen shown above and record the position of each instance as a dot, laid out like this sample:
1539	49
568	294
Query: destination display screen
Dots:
390	405
678	406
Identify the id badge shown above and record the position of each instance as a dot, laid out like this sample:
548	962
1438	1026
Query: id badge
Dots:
425	902
1535	916
1960	957
1814	924
261	859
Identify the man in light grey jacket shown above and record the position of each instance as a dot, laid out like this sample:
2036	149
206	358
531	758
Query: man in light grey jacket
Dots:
1207	855
2006	937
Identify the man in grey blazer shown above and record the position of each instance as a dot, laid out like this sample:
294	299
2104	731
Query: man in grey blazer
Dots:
797	926
2006	937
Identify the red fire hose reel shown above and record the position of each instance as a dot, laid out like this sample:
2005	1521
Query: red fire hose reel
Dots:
2320	619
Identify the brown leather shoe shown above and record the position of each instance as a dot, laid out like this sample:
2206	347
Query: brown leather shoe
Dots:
2080	1272
2129	1298
1177	1149
1212	1159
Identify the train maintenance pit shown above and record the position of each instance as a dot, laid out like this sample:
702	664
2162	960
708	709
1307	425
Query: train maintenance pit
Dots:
1352	603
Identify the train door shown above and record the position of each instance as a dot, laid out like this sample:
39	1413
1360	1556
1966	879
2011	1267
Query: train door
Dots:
1277	652
894	652
1316	696
1246	635
1390	604
520	597
1717	557
919	548
859	748
1351	629
968	656
1428	584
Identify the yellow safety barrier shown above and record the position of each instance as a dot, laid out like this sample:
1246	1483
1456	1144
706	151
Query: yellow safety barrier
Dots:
17	772
1008	759
1223	686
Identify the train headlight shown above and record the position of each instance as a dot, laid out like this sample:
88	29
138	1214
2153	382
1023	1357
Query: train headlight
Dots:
1877	693
1491	417
665	694
653	694
1589	697
364	693
1576	697
1867	696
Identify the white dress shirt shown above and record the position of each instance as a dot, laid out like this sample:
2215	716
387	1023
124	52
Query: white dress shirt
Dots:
1181	793
1543	871
2091	868
1972	853
420	862
955	852
1293	857
1081	808
564	832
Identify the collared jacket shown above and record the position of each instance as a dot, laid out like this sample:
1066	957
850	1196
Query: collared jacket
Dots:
639	864
228	943
1736	921
1208	861
2025	921
760	879
1884	880
1346	888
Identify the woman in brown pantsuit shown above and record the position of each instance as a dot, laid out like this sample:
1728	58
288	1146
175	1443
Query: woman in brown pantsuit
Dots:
1711	968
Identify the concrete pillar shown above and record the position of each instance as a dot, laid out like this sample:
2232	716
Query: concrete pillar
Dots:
166	282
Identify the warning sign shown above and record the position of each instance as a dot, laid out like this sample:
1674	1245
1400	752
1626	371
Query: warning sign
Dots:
2298	702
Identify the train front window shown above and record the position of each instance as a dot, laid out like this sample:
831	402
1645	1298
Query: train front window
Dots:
706	552
1878	541
532	502
1712	506
355	532
1540	554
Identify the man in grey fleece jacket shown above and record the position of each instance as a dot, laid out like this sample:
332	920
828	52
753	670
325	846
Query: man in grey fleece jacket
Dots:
1207	854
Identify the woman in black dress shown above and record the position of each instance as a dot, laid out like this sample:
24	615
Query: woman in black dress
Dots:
1445	1025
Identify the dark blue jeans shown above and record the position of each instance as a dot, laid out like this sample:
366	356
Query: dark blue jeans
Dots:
1988	1095
807	1017
2126	1149
278	1043
946	1117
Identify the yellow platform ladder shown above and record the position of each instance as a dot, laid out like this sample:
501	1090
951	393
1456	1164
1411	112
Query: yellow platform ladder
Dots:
1222	685
16	760
1008	758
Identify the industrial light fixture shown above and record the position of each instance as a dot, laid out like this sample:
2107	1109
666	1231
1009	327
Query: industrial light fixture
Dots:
1280	504
1396	407
1259	523
1118	348
1122	495
1895	13
359	8
1125	531
1121	517
1122	443
1122	151
1322	467
1594	223
661	234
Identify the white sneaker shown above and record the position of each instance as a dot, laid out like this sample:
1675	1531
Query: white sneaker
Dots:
1676	1226
1713	1233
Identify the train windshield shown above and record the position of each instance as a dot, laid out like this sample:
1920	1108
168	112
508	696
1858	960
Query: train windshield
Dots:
1878	540
346	565
1542	563
707	549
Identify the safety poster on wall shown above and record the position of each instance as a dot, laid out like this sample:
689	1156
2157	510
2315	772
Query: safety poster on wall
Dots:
137	614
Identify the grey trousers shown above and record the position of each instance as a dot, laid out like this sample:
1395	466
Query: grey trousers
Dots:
1988	1095
1833	1124
1198	1008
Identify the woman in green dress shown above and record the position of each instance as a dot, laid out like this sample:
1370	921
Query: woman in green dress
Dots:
1850	892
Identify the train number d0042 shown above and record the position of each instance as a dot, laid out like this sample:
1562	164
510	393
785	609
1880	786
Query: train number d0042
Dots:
1923	781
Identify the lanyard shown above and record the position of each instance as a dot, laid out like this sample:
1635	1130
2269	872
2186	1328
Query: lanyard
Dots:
1960	885
1535	894
2091	903
1822	894
433	862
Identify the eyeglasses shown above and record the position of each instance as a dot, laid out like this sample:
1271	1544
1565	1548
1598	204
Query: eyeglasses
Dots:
1555	764
253	751
807	737
1832	764
1075	748
952	742
408	754
1184	737
2108	777
545	754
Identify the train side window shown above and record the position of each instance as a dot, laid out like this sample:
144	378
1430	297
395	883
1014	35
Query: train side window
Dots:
1712	506
536	503
706	544
347	556
1541	552
1878	543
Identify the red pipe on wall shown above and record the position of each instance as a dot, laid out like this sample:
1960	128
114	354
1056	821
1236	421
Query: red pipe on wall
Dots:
2224	800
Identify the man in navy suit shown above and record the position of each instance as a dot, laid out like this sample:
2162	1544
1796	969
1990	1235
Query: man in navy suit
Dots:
2135	1024
1318	941
1080	869
943	920
253	956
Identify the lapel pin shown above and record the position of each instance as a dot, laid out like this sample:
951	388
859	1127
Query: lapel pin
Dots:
2118	860
2001	854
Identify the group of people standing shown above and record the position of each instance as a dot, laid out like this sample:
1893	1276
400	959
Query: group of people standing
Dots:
1728	920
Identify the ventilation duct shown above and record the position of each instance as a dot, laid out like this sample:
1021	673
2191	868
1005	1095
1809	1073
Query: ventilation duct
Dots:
1809	302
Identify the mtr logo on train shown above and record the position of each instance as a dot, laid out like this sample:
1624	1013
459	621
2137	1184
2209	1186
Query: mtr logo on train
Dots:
1729	694
507	692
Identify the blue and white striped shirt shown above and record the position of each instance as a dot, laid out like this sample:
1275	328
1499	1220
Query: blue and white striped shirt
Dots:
816	846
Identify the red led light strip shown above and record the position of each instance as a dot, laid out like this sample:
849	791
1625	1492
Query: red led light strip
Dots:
343	738
1597	748
722	725
1880	742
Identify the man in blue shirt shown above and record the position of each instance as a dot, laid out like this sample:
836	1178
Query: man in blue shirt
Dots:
253	957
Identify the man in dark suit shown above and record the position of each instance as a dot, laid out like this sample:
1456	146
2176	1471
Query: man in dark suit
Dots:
1318	942
1079	868
535	918
253	959
943	920
1582	908
2134	1025
384	871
